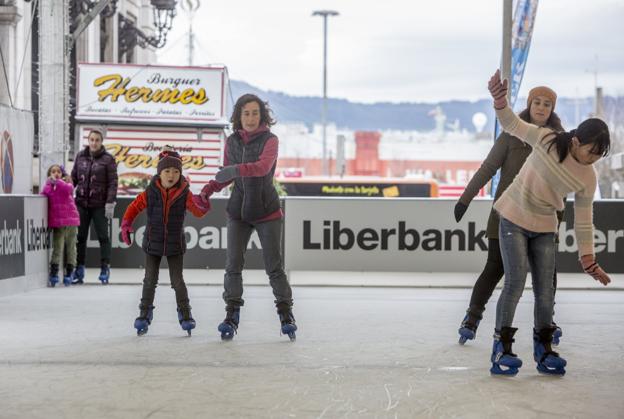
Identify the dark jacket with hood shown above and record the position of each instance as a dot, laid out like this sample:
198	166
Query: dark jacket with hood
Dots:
95	178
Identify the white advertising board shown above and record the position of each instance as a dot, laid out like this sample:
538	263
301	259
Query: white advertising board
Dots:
401	234
152	94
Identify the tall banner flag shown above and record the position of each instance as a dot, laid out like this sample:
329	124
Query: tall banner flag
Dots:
522	30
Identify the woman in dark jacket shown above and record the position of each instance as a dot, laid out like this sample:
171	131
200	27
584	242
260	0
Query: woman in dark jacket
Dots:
250	158
95	178
508	154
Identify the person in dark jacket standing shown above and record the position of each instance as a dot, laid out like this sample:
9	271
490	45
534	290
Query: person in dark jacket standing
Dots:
95	178
508	154
167	198
250	158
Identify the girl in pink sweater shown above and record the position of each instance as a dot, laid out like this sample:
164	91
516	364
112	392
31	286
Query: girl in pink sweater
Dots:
561	163
63	219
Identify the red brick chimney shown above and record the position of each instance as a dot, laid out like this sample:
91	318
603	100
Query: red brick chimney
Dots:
367	153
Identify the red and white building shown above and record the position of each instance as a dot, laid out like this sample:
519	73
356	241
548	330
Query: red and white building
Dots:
450	159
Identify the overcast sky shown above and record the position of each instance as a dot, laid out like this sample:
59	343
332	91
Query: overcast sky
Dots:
402	50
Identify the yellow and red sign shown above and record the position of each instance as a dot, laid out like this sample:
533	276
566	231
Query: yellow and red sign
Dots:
153	94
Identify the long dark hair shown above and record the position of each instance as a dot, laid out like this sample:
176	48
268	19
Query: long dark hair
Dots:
591	131
553	121
265	111
53	166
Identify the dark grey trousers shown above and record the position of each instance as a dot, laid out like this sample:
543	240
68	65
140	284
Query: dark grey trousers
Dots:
152	267
238	235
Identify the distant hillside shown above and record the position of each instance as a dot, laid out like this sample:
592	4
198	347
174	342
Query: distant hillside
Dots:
399	116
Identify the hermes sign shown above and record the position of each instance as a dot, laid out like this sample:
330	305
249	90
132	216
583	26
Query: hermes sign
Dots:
180	95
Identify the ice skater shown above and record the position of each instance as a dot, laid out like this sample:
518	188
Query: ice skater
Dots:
508	154
249	160
64	220
166	199
561	163
95	177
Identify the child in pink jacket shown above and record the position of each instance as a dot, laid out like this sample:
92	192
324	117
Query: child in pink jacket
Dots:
63	219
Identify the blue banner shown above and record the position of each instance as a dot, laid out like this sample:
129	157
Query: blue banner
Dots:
522	29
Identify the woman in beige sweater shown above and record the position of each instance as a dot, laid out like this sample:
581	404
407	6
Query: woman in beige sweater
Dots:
561	163
508	154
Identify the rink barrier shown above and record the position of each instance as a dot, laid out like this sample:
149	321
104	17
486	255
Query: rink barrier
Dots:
343	234
206	240
24	243
421	235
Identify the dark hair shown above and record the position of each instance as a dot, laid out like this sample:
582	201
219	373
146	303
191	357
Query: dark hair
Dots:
61	168
265	111
553	121
98	132
591	131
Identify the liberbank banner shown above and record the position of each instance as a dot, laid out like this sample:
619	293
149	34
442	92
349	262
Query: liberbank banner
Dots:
420	235
206	241
24	236
154	94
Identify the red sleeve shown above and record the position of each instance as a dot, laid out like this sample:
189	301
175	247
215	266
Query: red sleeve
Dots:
196	206
265	162
136	207
225	158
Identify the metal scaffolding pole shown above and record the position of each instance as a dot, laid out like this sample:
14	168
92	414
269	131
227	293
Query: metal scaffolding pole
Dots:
53	84
506	56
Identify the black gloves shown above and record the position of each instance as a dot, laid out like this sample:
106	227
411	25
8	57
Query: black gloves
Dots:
460	210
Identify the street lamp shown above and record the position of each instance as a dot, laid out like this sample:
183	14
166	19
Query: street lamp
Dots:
324	14
130	36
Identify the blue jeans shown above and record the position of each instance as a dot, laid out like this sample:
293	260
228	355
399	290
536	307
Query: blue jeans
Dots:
521	248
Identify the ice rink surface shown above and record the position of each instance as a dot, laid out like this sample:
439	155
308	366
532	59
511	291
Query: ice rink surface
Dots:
360	352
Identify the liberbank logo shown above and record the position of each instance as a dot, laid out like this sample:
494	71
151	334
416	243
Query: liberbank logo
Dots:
336	237
10	240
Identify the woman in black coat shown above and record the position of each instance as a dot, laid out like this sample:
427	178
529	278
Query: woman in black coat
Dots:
95	177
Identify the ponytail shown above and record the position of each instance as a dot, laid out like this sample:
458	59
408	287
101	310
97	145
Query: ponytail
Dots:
592	131
562	141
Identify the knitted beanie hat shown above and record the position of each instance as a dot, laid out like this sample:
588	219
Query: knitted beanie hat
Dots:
542	91
168	158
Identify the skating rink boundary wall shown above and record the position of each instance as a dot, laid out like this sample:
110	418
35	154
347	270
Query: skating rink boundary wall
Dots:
361	235
24	243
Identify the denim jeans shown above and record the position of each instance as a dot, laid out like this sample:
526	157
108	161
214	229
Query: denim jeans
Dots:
238	235
521	249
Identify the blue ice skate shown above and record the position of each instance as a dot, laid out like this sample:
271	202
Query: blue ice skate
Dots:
548	361
229	325
141	324
557	334
67	278
504	361
468	328
79	273
186	319
288	322
104	274
53	279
